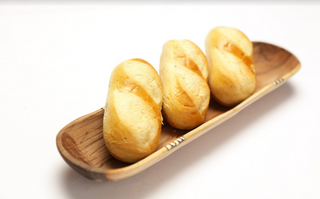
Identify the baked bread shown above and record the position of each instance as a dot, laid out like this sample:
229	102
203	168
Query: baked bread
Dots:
184	73
232	75
132	118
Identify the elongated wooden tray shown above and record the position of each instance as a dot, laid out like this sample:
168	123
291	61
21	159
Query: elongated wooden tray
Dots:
81	143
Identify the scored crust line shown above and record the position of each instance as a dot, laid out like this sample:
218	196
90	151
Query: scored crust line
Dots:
278	81
175	143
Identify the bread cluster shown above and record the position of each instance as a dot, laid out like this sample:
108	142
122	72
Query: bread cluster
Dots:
138	96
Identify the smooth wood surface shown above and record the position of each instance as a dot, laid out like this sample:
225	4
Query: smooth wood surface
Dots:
81	144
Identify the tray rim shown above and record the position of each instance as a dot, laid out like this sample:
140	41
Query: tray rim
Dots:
135	168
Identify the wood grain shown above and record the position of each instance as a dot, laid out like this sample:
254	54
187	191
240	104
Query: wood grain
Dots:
81	143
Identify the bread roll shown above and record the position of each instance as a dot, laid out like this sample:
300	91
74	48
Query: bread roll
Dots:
132	119
184	73
232	75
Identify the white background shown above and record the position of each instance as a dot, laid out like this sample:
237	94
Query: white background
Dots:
55	63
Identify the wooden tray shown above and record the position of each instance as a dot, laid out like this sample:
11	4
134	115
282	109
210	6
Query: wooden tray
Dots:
81	143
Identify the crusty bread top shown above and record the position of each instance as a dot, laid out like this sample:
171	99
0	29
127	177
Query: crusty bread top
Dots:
233	41
138	72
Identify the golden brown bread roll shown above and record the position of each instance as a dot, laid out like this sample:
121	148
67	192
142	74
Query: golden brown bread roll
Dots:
184	73
132	119
232	75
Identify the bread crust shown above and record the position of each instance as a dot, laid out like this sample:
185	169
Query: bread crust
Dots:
232	76
132	118
184	73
